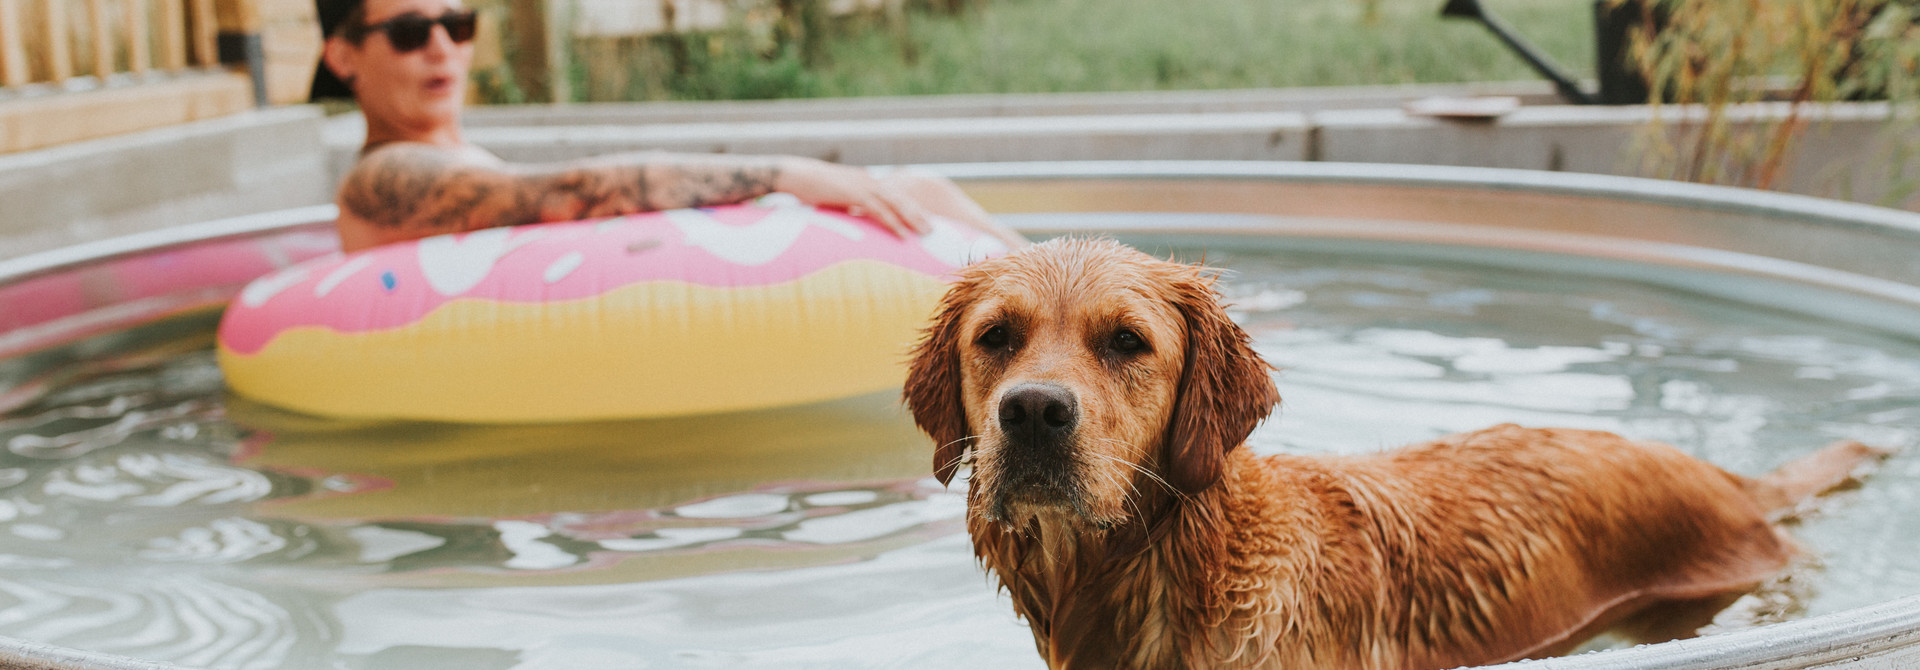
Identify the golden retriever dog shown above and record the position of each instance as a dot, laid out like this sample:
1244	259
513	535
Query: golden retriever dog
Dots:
1101	397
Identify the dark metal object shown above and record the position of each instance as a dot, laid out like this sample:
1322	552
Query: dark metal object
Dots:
1613	24
1471	9
244	50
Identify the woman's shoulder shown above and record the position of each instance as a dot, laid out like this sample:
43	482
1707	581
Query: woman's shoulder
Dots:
427	152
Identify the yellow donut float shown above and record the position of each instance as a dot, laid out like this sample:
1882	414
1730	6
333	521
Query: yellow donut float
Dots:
666	313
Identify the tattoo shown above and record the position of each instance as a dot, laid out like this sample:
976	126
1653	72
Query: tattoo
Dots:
426	190
592	191
720	185
429	189
629	184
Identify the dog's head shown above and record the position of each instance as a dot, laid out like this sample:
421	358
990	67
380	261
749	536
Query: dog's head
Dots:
1078	372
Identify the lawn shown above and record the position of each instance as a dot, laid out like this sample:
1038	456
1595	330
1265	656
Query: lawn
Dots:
1118	45
1019	46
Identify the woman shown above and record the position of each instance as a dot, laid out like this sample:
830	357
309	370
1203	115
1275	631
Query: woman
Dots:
407	62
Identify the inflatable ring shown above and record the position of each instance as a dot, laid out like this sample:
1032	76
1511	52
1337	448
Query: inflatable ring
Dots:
666	313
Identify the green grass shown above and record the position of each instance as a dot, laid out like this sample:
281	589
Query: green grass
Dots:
1119	45
1027	46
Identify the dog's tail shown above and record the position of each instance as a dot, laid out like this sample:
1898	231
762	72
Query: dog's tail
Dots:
1786	492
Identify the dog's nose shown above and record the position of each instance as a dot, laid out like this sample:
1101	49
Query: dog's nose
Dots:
1037	411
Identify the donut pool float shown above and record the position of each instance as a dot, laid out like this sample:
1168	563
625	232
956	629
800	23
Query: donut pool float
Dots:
658	314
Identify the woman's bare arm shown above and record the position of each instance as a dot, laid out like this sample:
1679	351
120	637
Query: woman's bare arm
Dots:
414	190
406	191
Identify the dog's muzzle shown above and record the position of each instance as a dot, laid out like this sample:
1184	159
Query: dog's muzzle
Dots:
1037	460
1038	416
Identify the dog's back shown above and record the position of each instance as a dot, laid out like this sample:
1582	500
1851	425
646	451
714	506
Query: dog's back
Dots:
1512	542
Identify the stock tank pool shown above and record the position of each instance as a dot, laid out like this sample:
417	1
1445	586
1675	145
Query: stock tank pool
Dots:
148	519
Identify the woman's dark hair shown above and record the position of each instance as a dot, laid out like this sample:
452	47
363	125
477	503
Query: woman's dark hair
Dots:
335	16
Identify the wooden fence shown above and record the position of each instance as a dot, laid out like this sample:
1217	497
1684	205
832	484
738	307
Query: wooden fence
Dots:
73	70
48	42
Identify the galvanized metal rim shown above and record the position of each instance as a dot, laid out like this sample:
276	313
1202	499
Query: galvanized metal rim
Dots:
55	260
1636	189
1857	634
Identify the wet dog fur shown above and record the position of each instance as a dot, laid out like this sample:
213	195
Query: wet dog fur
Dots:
1101	397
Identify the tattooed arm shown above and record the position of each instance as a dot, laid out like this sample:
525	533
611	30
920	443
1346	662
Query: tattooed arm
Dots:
406	191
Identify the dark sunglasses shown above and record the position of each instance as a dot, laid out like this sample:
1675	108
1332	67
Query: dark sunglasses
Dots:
407	32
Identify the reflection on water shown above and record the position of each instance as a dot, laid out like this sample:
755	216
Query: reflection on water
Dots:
143	512
187	619
924	605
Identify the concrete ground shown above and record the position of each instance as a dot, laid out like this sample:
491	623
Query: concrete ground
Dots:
249	162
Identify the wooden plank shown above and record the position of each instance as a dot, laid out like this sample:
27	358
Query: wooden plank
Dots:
206	34
139	46
102	38
559	81
13	46
529	21
173	34
59	40
290	42
47	120
239	16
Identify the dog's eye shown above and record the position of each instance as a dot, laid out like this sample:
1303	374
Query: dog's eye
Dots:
1128	342
995	338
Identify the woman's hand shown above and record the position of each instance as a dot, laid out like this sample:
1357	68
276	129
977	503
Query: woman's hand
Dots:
855	190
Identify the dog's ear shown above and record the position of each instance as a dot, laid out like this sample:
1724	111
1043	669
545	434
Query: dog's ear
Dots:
1225	389
933	379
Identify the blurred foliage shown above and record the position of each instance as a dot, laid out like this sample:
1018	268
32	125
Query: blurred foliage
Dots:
493	78
1716	64
1722	55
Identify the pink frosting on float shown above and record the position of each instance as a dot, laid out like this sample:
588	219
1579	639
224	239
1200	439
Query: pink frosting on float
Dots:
737	246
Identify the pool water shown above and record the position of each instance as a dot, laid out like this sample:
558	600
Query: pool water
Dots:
145	512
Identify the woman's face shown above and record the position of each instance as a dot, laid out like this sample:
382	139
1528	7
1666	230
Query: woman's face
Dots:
421	88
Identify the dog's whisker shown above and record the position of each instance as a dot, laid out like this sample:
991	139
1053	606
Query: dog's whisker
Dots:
966	455
1149	474
1113	478
963	438
1132	501
1130	465
961	459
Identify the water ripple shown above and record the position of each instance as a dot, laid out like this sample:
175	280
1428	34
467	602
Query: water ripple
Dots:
79	442
158	480
228	540
180	619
